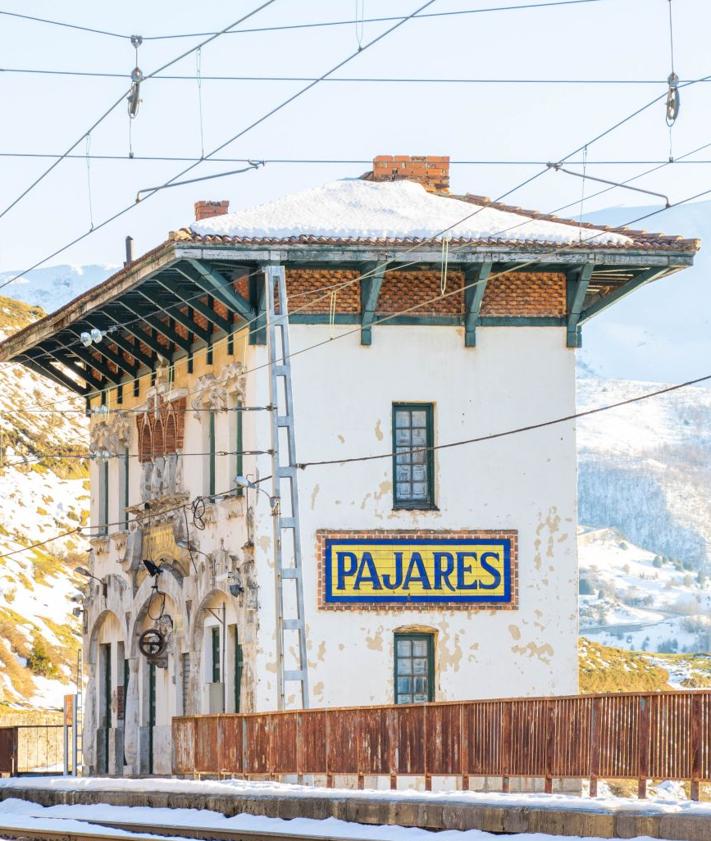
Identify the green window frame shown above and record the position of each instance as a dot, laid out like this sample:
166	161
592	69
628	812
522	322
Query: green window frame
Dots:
239	445
103	524
215	640
124	484
211	454
414	670
413	456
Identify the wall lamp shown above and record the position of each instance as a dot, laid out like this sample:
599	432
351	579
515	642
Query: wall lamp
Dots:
244	482
85	572
190	547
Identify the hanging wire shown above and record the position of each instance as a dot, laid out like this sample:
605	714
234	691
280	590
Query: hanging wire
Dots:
198	76
673	97
332	313
88	180
359	22
582	195
445	261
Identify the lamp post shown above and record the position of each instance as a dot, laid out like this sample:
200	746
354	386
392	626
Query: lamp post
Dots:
85	572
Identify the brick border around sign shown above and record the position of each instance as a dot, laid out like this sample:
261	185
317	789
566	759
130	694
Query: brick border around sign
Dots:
419	534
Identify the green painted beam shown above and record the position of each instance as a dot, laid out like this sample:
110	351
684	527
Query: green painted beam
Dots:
54	374
576	288
96	320
154	322
148	339
89	359
258	302
217	285
188	295
116	358
178	316
433	320
475	280
600	304
72	366
371	281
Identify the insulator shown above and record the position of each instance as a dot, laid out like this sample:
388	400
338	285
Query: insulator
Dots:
85	339
673	99
96	335
134	96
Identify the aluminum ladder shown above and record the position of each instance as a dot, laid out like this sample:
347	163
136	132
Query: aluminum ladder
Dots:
289	588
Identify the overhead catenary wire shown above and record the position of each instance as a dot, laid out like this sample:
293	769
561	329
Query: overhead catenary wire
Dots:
283	104
280	28
516	187
323	291
198	76
336	161
376	456
219	148
121	99
99	527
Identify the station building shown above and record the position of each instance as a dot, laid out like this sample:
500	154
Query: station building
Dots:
430	569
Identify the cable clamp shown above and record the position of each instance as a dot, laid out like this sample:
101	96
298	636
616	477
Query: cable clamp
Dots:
673	99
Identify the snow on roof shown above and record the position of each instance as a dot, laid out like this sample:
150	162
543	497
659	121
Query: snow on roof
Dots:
393	210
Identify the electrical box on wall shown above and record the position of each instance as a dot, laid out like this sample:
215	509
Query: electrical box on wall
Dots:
216	697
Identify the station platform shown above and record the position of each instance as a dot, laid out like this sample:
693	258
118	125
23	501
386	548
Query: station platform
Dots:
551	814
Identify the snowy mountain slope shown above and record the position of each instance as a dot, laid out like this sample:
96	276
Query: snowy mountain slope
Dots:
636	599
53	286
645	469
39	636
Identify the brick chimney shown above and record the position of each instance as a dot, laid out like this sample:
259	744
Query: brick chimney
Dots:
208	209
432	171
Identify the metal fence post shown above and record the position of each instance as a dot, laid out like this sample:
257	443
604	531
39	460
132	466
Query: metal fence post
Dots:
75	736
695	746
594	745
464	744
643	747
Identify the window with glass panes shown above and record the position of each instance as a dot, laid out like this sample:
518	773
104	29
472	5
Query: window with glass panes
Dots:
414	668
413	438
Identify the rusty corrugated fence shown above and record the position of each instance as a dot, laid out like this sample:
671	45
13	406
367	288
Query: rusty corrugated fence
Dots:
640	736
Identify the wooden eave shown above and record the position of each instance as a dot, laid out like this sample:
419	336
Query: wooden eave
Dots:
194	280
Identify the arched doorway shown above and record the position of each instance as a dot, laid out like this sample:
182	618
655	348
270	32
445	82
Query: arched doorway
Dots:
216	673
155	677
104	705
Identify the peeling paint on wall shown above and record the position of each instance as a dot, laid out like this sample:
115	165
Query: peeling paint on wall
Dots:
314	494
542	652
379	431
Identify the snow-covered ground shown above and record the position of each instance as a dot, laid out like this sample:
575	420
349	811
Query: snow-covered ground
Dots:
20	814
39	498
666	798
633	598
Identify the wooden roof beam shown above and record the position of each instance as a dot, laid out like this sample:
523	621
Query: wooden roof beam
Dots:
576	288
475	280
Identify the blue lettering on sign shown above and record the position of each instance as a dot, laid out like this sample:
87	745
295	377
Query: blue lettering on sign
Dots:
400	570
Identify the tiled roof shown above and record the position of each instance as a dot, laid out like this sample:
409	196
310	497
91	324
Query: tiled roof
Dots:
402	213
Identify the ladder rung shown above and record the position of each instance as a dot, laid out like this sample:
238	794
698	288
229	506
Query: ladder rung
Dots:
286	472
287	523
280	370
291	572
293	624
284	420
294	675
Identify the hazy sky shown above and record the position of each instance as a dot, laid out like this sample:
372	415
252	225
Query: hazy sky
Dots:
659	333
602	40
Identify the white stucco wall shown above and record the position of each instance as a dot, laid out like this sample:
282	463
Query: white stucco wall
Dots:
343	400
